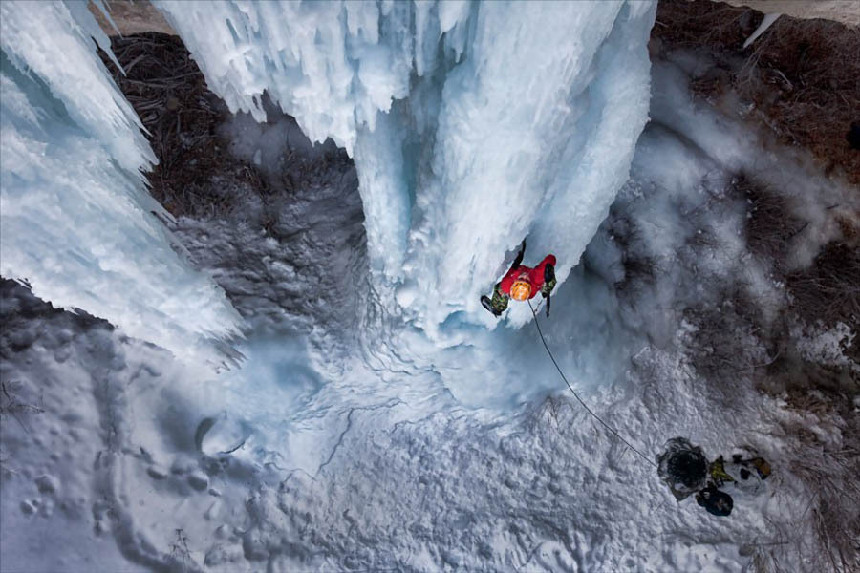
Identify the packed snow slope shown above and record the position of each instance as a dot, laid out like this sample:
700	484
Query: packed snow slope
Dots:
472	125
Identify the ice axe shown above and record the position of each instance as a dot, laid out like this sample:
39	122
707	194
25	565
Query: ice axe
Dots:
548	277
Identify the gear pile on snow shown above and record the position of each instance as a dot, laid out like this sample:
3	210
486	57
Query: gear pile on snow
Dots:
686	471
683	467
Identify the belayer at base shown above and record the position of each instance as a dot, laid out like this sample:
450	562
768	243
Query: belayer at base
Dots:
522	283
686	471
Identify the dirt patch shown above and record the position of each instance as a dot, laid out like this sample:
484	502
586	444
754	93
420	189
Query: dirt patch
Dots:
829	290
801	78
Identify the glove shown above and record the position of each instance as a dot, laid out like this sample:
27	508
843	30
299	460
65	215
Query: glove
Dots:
548	280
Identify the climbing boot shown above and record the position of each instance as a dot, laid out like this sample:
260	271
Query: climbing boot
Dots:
488	304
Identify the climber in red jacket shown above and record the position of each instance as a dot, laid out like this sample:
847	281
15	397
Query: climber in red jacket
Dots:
522	283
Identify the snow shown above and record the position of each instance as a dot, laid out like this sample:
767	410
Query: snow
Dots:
463	145
351	441
53	43
389	487
364	435
826	346
78	222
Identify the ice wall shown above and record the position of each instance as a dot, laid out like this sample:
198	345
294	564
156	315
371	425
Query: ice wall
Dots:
77	221
472	125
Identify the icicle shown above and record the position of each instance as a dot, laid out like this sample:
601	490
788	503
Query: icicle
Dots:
472	125
77	220
766	23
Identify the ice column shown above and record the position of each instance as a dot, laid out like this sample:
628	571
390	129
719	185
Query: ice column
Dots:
472	125
77	222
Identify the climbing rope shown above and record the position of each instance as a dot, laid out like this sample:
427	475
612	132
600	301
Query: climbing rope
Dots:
612	430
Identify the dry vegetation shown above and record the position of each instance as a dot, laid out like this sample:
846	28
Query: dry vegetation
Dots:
824	294
833	508
197	176
770	226
168	92
801	77
829	290
802	80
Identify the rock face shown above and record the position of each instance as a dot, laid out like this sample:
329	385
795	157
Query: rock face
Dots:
141	16
845	11
132	18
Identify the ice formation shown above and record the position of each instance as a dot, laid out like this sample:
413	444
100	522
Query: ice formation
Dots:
472	125
300	464
77	221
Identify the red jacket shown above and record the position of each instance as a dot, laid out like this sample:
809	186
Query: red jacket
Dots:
533	275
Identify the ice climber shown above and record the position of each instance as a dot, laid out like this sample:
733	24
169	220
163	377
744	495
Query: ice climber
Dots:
686	471
522	283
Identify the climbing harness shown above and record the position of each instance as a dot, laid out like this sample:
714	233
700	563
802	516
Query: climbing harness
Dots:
612	430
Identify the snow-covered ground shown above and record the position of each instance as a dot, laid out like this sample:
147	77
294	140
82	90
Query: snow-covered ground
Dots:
351	438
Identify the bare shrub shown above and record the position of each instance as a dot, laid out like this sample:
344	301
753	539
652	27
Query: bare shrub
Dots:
640	269
180	556
729	342
197	176
833	510
769	227
829	290
11	404
694	25
814	66
556	412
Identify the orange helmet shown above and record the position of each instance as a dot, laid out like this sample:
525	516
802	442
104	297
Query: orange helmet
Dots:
521	289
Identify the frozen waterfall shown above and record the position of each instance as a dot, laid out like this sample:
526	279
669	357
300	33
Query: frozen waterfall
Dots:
472	125
77	221
380	419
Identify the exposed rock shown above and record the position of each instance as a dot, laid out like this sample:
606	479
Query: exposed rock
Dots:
47	485
131	18
198	481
